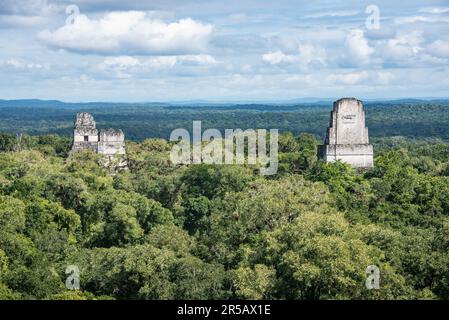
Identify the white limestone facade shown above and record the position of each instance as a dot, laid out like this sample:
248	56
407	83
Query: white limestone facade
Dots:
108	142
347	137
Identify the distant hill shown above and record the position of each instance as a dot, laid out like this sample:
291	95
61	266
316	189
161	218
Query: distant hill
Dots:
70	105
204	103
404	117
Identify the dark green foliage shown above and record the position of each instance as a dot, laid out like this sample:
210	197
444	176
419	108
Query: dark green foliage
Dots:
160	231
7	142
157	120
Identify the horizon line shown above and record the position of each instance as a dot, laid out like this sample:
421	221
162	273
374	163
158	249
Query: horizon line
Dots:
304	100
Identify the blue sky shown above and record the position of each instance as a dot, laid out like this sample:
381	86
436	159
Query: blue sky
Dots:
168	50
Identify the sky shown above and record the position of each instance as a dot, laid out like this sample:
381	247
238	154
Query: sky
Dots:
233	50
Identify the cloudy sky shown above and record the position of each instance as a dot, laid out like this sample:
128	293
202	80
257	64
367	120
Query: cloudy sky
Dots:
167	50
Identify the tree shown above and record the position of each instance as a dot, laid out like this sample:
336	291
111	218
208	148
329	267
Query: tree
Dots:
240	217
12	214
120	227
254	283
318	256
7	142
42	214
195	210
214	181
287	143
146	272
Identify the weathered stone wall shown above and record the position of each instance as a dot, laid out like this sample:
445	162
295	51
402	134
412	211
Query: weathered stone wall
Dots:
347	125
85	135
109	142
347	137
358	155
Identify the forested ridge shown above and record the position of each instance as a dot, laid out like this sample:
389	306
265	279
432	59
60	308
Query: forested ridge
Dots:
160	231
141	121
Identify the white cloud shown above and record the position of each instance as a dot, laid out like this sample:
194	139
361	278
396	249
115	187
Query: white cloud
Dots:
162	62
412	49
352	78
26	13
310	54
362	78
404	47
429	60
307	55
126	66
85	78
420	18
120	63
385	77
197	59
278	57
18	64
237	18
247	68
17	21
435	10
357	48
130	32
343	13
24	7
303	80
439	49
275	54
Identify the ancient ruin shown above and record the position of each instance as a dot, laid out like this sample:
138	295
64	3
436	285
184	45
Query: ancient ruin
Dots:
108	142
347	137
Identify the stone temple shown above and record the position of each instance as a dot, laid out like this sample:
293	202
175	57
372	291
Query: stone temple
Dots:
109	142
347	137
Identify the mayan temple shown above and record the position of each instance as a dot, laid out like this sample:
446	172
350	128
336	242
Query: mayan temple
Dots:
347	137
109	142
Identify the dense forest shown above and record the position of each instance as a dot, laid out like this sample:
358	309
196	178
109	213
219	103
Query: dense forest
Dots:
160	231
152	120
